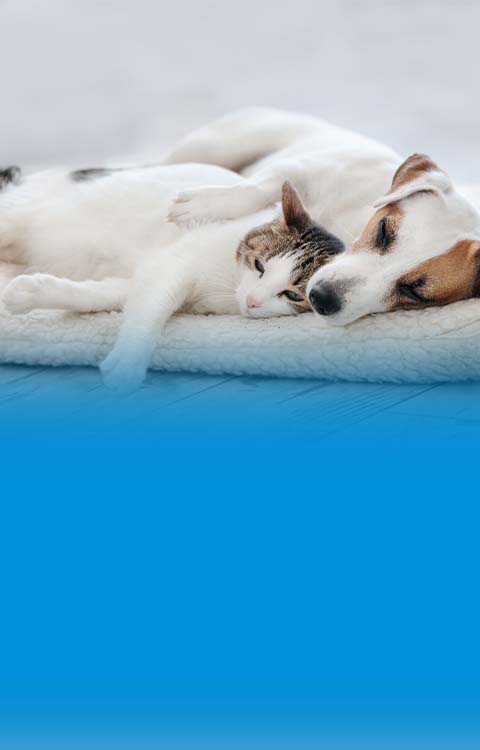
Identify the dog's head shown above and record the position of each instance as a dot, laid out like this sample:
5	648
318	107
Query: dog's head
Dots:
420	248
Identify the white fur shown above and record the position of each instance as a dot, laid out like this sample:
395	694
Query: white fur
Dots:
341	176
104	244
264	289
112	230
432	224
434	345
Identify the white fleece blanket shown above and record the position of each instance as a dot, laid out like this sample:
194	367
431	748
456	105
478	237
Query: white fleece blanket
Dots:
434	345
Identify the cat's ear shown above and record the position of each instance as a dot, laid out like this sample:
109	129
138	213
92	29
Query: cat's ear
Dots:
295	215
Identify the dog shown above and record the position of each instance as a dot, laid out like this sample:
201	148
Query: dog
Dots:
412	240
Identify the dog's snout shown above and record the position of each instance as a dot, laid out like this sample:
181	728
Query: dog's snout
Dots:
324	299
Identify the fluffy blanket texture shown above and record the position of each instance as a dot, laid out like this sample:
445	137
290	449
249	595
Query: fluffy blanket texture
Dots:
434	345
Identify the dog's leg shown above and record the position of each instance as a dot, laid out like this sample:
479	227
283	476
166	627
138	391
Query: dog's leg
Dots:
44	291
241	138
214	203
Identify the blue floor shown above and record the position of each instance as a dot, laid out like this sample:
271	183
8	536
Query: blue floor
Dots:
232	562
254	404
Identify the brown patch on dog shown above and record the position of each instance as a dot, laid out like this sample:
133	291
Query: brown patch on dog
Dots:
450	277
412	168
368	240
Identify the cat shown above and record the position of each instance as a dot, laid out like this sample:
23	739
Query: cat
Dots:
98	240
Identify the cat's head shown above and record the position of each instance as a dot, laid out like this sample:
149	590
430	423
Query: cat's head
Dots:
278	259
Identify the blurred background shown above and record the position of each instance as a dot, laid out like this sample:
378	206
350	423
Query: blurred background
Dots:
86	82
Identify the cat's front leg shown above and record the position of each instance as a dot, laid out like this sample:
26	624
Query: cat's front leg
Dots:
216	203
232	202
158	290
125	368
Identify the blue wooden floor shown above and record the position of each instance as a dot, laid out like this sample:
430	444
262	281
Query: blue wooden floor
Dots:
247	405
163	590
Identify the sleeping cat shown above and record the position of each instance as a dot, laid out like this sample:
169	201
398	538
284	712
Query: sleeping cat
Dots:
97	240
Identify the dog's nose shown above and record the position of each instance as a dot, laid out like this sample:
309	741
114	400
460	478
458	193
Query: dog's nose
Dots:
324	299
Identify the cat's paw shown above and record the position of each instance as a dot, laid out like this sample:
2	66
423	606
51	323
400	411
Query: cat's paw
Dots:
212	204
122	373
195	205
25	293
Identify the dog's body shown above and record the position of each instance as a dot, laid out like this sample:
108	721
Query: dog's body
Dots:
338	173
420	248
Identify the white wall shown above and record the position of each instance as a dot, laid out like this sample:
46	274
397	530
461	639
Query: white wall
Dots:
83	80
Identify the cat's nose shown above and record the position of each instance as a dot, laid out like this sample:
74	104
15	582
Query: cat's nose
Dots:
324	299
252	302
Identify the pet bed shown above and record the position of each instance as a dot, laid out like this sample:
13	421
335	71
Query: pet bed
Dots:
433	345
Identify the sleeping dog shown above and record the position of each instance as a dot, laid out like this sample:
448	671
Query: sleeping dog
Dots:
420	247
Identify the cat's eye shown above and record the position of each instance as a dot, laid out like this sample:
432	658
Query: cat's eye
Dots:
259	267
293	295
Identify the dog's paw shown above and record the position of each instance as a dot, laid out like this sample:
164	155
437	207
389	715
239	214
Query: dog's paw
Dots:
122	373
25	293
212	204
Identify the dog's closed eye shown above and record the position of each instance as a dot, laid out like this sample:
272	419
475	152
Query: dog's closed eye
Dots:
384	234
411	290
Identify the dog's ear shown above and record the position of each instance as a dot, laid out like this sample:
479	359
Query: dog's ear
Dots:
417	174
10	175
296	216
474	255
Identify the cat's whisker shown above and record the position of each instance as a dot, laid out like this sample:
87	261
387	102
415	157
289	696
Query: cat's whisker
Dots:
218	278
225	297
221	284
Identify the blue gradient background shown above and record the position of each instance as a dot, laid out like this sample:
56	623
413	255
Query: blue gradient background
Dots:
215	581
